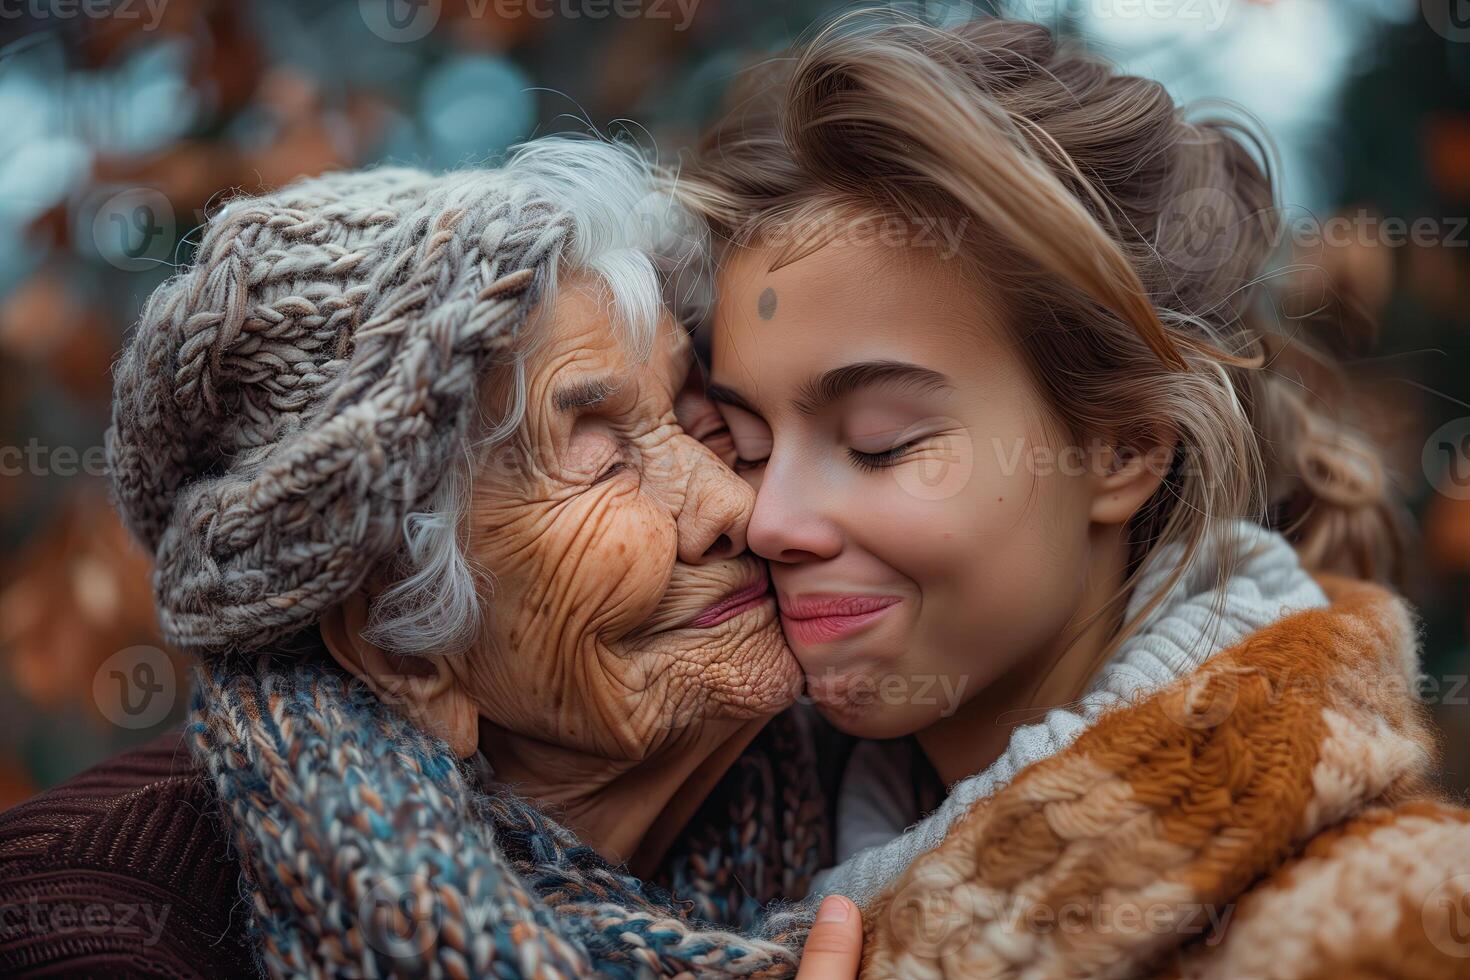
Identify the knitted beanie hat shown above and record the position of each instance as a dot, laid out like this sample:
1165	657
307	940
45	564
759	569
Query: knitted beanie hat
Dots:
290	398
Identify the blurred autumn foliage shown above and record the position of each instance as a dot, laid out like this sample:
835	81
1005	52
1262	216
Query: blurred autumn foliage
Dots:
121	132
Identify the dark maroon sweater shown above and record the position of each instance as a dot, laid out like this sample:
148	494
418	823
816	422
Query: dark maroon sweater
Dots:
122	871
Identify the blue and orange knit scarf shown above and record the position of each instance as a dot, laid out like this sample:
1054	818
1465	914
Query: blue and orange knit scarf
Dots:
367	849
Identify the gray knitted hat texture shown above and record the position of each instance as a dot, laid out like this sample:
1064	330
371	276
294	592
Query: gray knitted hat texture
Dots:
286	401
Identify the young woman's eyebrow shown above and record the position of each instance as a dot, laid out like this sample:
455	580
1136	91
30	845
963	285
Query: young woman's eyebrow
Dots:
817	393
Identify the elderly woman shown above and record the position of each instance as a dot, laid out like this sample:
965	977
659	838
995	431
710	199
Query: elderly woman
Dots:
477	631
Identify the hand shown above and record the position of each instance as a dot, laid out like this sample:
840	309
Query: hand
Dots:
834	947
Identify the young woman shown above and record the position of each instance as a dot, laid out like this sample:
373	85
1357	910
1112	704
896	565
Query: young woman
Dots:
1033	453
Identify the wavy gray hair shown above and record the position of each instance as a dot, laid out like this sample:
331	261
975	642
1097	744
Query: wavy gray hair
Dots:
628	230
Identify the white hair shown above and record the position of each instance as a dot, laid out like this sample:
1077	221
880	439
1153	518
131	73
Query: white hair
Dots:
629	232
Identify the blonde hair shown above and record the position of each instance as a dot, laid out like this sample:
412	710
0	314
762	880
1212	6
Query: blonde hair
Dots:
1083	188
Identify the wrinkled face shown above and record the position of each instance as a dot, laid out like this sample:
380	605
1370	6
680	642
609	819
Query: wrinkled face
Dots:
925	532
625	608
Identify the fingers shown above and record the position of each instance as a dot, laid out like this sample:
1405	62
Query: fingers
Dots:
834	947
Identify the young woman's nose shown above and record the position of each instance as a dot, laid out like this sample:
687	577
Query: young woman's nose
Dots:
786	525
716	509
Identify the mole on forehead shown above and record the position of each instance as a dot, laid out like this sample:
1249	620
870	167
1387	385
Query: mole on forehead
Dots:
766	305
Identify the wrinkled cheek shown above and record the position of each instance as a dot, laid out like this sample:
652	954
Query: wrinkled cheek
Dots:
598	569
743	671
767	679
560	588
650	696
624	570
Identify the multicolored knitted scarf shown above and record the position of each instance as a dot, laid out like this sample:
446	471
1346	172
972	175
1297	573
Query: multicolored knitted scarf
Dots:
369	850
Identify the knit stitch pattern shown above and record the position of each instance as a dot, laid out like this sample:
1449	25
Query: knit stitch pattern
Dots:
1211	829
287	400
366	851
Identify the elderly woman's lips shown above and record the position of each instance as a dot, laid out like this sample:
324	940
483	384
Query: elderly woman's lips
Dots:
734	604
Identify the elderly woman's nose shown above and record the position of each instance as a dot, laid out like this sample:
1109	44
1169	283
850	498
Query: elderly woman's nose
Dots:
715	512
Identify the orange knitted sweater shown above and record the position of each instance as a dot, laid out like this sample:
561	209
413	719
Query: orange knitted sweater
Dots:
1271	815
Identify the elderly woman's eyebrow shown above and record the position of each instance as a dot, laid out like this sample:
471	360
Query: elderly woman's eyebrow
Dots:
583	394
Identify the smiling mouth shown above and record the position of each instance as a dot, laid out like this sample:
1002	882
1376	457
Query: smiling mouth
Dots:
741	600
822	619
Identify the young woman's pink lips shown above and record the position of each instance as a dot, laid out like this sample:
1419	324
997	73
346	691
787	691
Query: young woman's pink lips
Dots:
821	619
737	602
